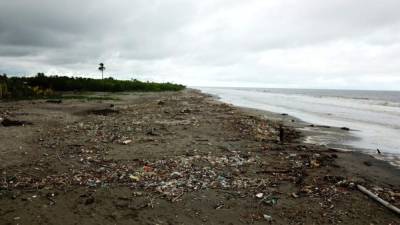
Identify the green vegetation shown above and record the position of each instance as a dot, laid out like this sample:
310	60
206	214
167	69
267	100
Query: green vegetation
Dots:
47	86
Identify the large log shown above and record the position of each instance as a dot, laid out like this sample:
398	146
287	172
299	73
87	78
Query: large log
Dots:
376	198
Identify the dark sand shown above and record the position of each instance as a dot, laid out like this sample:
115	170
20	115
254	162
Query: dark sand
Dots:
178	158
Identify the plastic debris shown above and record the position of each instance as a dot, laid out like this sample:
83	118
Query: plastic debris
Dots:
267	217
134	178
259	195
126	142
148	169
270	200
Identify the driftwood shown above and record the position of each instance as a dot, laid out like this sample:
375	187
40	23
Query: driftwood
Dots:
8	122
376	198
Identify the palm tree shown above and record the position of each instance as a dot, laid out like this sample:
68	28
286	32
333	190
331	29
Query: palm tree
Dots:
102	68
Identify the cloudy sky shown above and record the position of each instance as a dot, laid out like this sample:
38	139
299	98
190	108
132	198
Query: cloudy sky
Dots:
352	44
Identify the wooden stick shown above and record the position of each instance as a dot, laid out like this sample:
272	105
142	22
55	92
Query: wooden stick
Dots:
58	156
178	197
376	198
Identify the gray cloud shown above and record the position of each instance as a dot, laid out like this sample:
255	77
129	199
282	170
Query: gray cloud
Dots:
312	43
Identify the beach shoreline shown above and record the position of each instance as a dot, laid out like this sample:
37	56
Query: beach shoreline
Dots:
352	158
178	158
373	122
321	134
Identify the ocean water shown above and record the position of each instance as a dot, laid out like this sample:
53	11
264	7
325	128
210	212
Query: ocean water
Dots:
372	116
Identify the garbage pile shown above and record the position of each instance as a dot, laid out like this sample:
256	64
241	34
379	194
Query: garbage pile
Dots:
173	177
169	177
264	130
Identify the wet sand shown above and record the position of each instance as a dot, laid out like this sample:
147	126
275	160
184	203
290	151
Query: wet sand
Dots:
178	158
354	160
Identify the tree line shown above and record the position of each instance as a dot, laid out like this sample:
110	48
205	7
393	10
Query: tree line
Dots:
42	85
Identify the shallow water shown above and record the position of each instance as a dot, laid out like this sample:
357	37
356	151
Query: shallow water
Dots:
372	116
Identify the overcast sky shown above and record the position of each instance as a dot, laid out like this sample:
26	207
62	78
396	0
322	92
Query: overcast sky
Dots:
352	44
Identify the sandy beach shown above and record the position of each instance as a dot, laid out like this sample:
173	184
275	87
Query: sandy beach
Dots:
179	158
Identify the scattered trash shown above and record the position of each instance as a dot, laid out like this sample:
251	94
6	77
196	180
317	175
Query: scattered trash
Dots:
148	169
259	195
126	142
267	217
176	175
240	170
134	178
270	200
219	205
314	163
